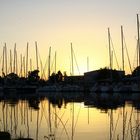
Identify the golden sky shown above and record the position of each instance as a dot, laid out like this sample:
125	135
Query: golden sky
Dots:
57	23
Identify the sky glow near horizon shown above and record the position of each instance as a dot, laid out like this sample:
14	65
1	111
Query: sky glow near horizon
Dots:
57	23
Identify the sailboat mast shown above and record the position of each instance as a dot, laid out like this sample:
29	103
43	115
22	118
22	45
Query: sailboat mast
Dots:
16	62
109	41
36	56
122	48
24	65
72	60
10	61
14	57
55	62
138	26
21	65
30	64
5	59
49	63
27	61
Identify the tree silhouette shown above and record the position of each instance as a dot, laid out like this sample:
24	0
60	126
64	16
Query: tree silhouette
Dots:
33	76
11	79
56	78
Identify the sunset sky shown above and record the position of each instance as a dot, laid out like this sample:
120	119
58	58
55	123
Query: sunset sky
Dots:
57	23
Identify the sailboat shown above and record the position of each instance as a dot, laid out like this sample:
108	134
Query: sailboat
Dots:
131	85
72	87
105	86
51	89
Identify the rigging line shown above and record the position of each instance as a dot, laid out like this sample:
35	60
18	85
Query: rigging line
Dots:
42	114
64	129
135	56
41	67
116	126
44	111
59	121
41	118
127	55
76	62
114	53
77	118
40	63
23	63
43	74
64	125
60	118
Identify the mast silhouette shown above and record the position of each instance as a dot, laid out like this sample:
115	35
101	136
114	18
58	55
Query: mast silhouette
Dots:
109	41
36	56
21	65
3	62
16	62
24	70
10	61
72	73
122	48
14	59
30	64
5	59
55	62
49	63
27	61
138	43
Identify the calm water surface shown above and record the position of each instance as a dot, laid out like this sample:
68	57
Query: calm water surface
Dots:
70	119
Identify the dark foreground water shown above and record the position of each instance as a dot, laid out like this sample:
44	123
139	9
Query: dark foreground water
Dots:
100	118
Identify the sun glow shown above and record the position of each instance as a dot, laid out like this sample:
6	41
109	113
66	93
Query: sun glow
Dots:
58	24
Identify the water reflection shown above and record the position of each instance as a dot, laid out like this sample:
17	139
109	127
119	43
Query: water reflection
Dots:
71	117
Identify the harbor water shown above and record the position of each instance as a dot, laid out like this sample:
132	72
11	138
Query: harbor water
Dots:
57	118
